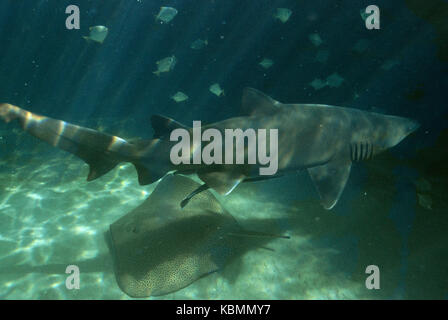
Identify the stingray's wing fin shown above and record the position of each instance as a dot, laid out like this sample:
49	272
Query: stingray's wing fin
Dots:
159	248
222	182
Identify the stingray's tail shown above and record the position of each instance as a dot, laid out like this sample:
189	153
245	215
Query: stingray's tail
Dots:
102	152
256	234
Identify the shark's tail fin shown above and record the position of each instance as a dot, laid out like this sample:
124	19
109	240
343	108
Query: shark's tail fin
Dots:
101	151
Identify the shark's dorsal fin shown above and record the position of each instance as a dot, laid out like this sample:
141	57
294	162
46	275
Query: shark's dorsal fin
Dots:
256	102
330	180
163	126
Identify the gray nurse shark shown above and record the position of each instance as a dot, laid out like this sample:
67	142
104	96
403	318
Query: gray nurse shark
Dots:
323	139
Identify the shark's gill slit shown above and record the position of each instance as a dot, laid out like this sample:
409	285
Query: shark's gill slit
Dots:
365	148
354	151
369	150
360	151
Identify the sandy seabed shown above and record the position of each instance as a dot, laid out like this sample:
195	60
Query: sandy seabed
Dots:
50	217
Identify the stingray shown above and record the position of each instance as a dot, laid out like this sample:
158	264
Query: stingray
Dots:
159	248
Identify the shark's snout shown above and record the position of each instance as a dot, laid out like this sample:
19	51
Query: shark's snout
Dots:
413	126
395	130
404	126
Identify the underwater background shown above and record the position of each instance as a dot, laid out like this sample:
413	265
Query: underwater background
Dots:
393	212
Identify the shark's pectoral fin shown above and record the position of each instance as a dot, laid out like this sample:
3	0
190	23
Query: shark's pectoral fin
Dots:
330	180
222	182
163	126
